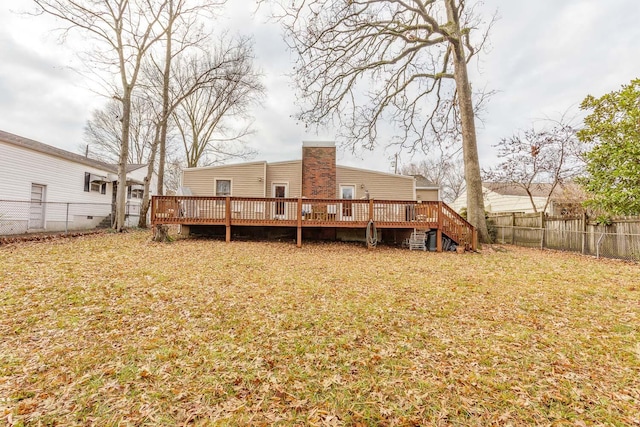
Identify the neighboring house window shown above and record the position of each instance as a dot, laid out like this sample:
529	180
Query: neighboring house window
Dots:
135	192
223	187
91	184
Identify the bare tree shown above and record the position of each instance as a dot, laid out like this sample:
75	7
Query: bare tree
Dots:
539	160
366	63
103	132
123	31
444	170
173	174
212	120
183	29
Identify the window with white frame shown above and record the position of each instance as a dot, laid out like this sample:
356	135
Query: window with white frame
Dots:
95	183
135	191
223	187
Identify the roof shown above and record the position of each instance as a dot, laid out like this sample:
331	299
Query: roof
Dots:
54	151
224	166
422	182
295	161
540	189
134	166
376	172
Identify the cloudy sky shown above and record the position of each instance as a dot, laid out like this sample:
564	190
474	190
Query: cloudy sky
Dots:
545	57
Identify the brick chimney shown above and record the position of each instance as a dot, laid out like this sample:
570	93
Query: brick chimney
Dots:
319	170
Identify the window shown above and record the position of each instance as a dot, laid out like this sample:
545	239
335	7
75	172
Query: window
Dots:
94	183
223	187
135	192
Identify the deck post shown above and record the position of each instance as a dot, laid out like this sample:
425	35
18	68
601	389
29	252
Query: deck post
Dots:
370	209
299	236
153	211
228	218
439	230
474	239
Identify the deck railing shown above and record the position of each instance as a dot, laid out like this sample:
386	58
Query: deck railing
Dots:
302	212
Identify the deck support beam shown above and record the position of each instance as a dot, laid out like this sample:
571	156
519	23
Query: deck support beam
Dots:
299	234
227	205
439	230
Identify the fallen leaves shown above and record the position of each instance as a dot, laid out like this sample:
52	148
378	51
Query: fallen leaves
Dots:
116	329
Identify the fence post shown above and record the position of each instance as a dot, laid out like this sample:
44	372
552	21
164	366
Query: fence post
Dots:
66	220
513	228
543	228
584	233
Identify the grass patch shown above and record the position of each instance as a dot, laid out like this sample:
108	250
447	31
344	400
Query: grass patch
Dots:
117	330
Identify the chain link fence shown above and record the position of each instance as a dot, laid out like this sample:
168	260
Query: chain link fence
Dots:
618	240
23	217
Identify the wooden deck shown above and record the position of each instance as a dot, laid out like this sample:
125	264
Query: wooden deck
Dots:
302	212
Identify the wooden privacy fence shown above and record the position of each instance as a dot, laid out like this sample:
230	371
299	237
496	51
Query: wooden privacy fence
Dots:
620	239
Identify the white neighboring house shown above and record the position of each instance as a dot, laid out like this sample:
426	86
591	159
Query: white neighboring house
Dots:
506	197
44	188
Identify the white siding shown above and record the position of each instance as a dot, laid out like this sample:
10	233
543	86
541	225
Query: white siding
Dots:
494	202
64	180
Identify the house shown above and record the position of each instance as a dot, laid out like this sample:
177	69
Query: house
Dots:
426	191
316	175
508	197
44	188
313	195
309	198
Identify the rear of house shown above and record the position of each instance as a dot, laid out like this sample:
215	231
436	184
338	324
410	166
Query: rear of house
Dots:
315	178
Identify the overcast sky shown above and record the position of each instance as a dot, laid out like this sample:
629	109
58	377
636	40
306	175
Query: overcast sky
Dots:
545	57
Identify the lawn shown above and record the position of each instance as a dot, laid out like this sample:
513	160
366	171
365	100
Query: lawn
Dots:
118	330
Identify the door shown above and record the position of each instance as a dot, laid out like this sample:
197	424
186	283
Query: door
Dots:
347	192
279	191
36	209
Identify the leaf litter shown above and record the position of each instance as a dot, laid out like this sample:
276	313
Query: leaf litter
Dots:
114	329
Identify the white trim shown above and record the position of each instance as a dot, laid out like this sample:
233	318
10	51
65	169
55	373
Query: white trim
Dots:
215	185
275	184
376	172
222	166
319	144
41	212
284	162
264	180
340	187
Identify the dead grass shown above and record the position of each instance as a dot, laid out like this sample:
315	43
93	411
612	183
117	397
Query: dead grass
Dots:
117	330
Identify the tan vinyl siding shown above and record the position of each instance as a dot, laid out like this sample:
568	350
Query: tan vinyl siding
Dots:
427	195
247	179
381	186
285	172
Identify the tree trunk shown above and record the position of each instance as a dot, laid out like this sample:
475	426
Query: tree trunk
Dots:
121	195
161	233
165	102
475	200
